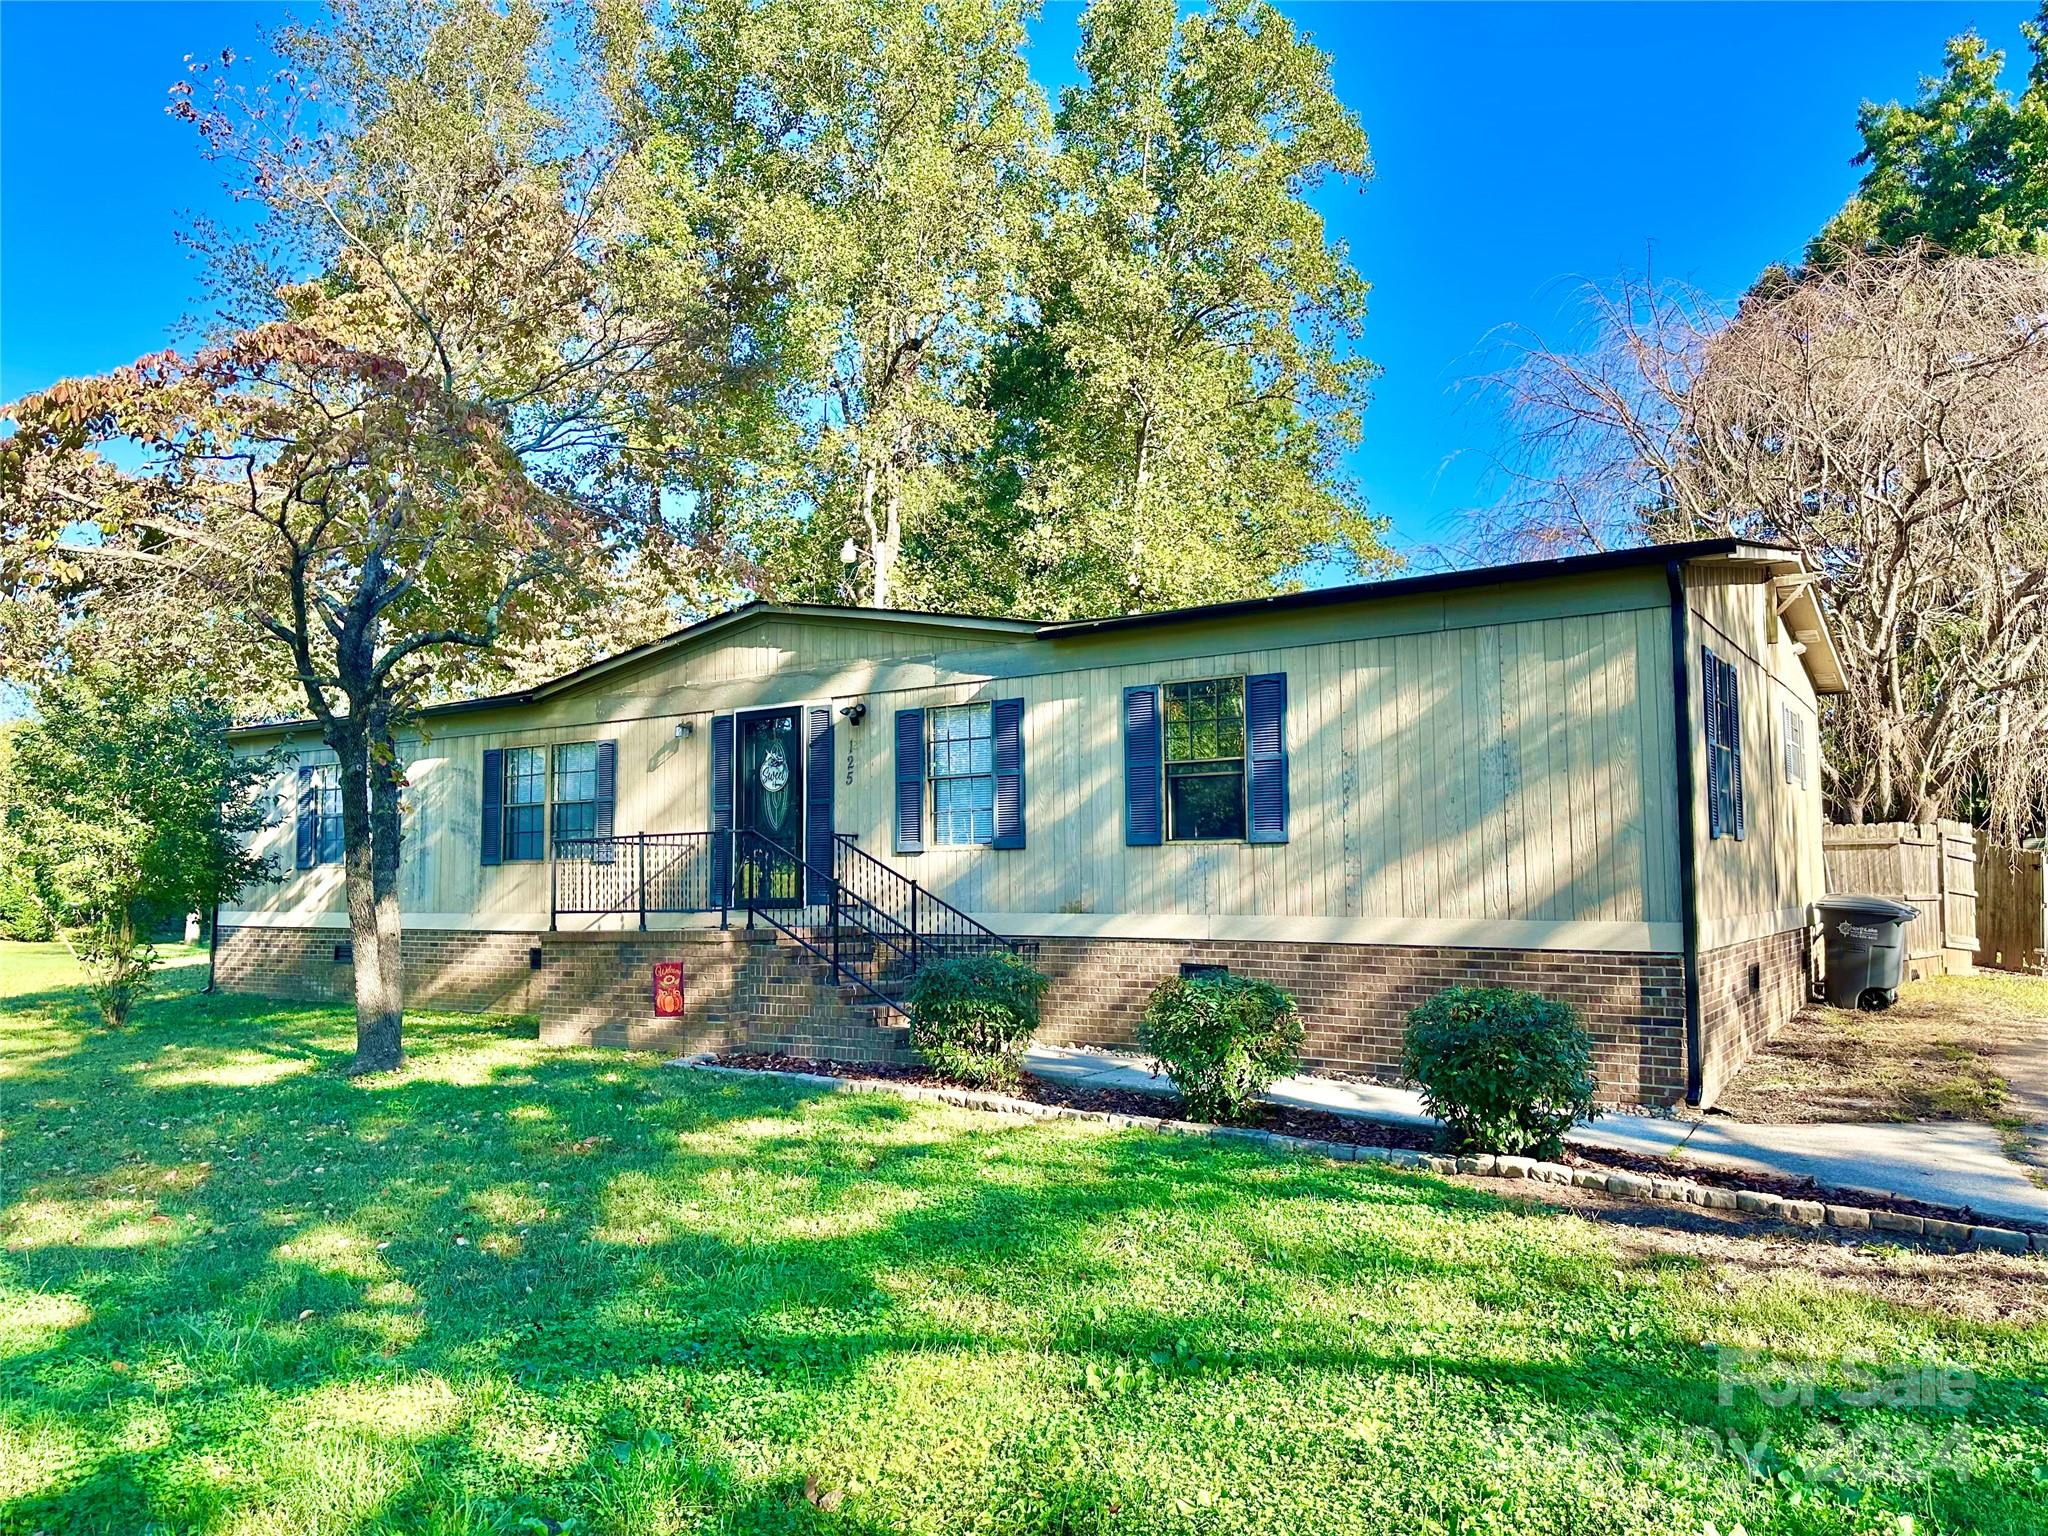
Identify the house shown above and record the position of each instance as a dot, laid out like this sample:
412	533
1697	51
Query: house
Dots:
1596	777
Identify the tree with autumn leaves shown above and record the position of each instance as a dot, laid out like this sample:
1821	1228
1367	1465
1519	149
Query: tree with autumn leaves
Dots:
394	466
371	526
556	327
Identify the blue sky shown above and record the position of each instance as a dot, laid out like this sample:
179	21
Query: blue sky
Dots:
1520	149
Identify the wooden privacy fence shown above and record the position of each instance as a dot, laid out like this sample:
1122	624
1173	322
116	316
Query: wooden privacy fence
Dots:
2012	907
1932	865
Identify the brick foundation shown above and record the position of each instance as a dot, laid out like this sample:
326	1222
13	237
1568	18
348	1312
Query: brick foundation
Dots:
742	991
1355	998
1747	992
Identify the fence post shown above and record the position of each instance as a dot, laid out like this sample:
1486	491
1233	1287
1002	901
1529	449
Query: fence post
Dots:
554	888
832	918
640	883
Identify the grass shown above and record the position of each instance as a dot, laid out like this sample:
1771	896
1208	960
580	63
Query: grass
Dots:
510	1289
1947	1050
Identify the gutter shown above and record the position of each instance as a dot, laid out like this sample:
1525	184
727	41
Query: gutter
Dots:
1688	850
1633	557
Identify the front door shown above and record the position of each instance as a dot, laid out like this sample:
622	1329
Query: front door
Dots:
770	805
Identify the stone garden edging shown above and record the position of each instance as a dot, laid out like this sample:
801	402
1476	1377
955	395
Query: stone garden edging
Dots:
1634	1186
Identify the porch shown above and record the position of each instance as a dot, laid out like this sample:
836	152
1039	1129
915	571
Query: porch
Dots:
871	924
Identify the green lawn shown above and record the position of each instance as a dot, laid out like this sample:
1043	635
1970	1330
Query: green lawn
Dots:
525	1290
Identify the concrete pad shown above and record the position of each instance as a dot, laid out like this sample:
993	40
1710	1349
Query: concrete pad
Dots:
1094	1069
1942	1163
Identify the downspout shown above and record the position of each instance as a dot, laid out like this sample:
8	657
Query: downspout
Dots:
213	948
1688	852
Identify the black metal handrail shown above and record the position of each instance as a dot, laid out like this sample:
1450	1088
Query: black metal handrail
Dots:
862	943
639	873
873	924
935	925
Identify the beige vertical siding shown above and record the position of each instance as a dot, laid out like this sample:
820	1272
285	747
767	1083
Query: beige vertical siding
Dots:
1489	767
1761	883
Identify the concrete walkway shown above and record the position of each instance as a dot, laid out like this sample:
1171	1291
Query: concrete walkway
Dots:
1944	1163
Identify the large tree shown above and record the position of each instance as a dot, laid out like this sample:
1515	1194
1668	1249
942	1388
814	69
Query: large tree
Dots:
1888	418
405	437
1964	167
1089	364
1177	401
879	160
368	526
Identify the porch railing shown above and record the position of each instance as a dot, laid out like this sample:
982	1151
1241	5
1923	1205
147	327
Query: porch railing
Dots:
863	944
937	928
639	873
873	924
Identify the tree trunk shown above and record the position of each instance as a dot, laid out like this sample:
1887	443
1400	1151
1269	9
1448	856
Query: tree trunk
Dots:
889	545
878	583
369	819
117	997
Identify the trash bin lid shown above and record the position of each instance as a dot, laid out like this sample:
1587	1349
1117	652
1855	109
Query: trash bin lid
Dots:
1868	906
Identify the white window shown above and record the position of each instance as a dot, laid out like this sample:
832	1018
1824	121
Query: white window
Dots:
1204	760
327	813
963	775
576	790
526	792
1795	746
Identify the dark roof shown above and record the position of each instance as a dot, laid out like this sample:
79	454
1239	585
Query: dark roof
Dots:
1019	628
1319	597
1435	581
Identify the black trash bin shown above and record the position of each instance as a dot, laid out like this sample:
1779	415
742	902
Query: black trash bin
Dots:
1863	940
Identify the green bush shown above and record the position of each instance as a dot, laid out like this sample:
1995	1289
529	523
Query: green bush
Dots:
972	1017
1222	1039
21	915
1507	1071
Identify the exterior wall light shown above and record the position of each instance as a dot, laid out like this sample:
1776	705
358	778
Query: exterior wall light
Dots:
854	712
685	728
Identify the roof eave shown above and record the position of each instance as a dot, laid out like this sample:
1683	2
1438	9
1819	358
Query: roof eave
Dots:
1799	611
704	628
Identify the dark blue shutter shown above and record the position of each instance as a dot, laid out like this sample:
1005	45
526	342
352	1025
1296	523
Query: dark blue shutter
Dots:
491	836
721	808
1265	731
909	781
1006	725
1142	819
818	804
1710	685
308	842
607	787
1731	744
606	811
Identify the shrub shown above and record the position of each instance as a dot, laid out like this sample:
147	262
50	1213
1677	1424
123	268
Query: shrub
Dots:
21	915
1507	1071
1222	1039
971	1017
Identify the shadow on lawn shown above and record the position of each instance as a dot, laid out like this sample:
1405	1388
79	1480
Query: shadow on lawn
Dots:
526	1231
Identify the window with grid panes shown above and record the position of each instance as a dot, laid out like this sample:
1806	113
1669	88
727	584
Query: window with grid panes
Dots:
327	813
575	790
526	795
962	774
1204	759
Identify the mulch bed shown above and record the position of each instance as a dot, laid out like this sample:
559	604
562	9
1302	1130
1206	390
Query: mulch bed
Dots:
1320	1125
